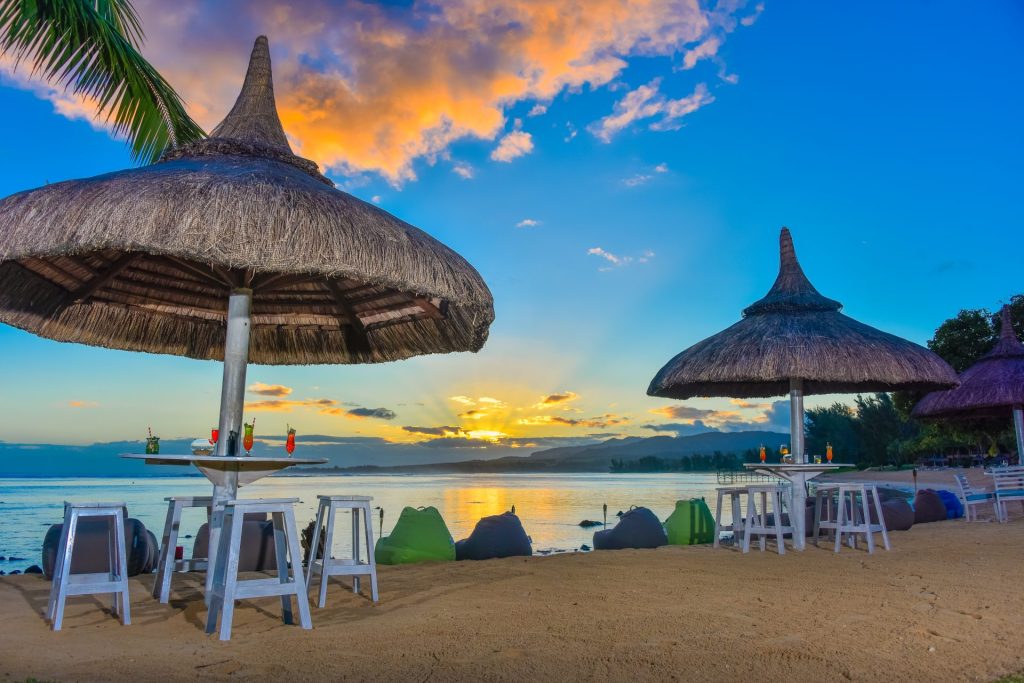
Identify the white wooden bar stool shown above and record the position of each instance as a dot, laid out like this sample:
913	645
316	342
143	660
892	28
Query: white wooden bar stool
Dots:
757	521
113	581
735	495
353	566
168	564
825	511
226	586
854	516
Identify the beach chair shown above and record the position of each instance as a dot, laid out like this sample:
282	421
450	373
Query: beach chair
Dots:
973	497
1009	488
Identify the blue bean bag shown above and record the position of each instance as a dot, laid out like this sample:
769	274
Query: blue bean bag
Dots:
638	528
495	536
954	508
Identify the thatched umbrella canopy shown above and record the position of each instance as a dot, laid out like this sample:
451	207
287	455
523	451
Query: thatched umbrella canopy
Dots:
796	340
992	387
184	256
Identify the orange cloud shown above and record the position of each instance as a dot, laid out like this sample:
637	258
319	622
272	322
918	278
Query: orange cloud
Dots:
607	420
275	390
83	404
367	87
556	400
286	406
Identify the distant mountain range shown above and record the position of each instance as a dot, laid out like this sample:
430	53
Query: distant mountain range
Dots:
592	457
372	455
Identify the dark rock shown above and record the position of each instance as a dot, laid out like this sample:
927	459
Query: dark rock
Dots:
2	572
2	558
34	569
12	558
16	571
188	536
584	547
589	523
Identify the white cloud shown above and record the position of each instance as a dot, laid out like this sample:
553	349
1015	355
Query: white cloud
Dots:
646	102
661	168
463	170
528	223
538	110
638	179
705	50
375	199
749	20
514	145
618	261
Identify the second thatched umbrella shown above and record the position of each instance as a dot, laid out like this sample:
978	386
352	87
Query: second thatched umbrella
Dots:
992	387
796	340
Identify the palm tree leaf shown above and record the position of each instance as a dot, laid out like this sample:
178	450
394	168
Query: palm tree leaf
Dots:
90	48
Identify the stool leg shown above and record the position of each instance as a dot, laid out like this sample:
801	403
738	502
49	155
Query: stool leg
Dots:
777	502
301	598
370	559
737	519
355	547
881	519
215	528
749	523
718	519
281	552
332	512
124	608
870	537
314	544
165	567
764	520
112	565
840	520
59	589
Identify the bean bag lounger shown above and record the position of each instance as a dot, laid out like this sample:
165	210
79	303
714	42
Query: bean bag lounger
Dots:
954	508
896	512
495	536
928	507
91	554
690	523
257	551
638	528
420	535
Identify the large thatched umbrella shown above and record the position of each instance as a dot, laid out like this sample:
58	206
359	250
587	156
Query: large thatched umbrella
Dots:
796	340
992	387
233	248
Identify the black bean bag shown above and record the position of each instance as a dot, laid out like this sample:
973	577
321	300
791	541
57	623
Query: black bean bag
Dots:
257	551
638	528
495	536
91	547
928	507
896	512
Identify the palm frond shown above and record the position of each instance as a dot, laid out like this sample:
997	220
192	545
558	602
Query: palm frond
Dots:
90	48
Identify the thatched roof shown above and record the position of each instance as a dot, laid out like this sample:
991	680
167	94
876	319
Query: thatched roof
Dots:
990	387
796	333
144	259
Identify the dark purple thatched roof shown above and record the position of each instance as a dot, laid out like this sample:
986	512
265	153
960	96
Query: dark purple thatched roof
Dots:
796	333
990	387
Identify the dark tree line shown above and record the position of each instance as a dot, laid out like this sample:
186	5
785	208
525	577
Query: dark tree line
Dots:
878	429
690	463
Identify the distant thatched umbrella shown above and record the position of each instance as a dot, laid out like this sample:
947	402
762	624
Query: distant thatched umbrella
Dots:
796	340
992	387
183	256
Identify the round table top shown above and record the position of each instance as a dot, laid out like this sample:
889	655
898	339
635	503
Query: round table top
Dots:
170	459
796	467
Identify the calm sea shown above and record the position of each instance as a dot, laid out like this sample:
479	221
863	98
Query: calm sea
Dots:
550	506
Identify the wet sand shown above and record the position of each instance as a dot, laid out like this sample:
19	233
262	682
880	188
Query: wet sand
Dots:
945	604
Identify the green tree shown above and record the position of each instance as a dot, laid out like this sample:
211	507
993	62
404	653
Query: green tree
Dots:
881	427
962	340
836	425
91	47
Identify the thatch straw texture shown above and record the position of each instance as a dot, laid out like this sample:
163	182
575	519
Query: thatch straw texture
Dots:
991	387
144	259
796	333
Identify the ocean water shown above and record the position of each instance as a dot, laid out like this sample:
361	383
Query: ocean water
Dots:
550	506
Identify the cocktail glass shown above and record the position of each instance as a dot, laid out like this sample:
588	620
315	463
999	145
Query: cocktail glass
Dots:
247	437
289	444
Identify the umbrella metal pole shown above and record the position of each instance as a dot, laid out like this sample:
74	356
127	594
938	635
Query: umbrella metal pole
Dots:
232	399
1018	426
796	435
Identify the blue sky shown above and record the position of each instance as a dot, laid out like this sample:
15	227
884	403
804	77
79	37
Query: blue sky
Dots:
887	136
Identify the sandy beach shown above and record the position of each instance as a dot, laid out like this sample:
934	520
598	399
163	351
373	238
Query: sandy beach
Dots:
944	604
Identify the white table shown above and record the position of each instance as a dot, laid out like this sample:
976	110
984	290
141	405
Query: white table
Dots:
226	473
798	474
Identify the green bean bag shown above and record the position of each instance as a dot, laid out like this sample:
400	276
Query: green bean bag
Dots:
691	523
419	536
